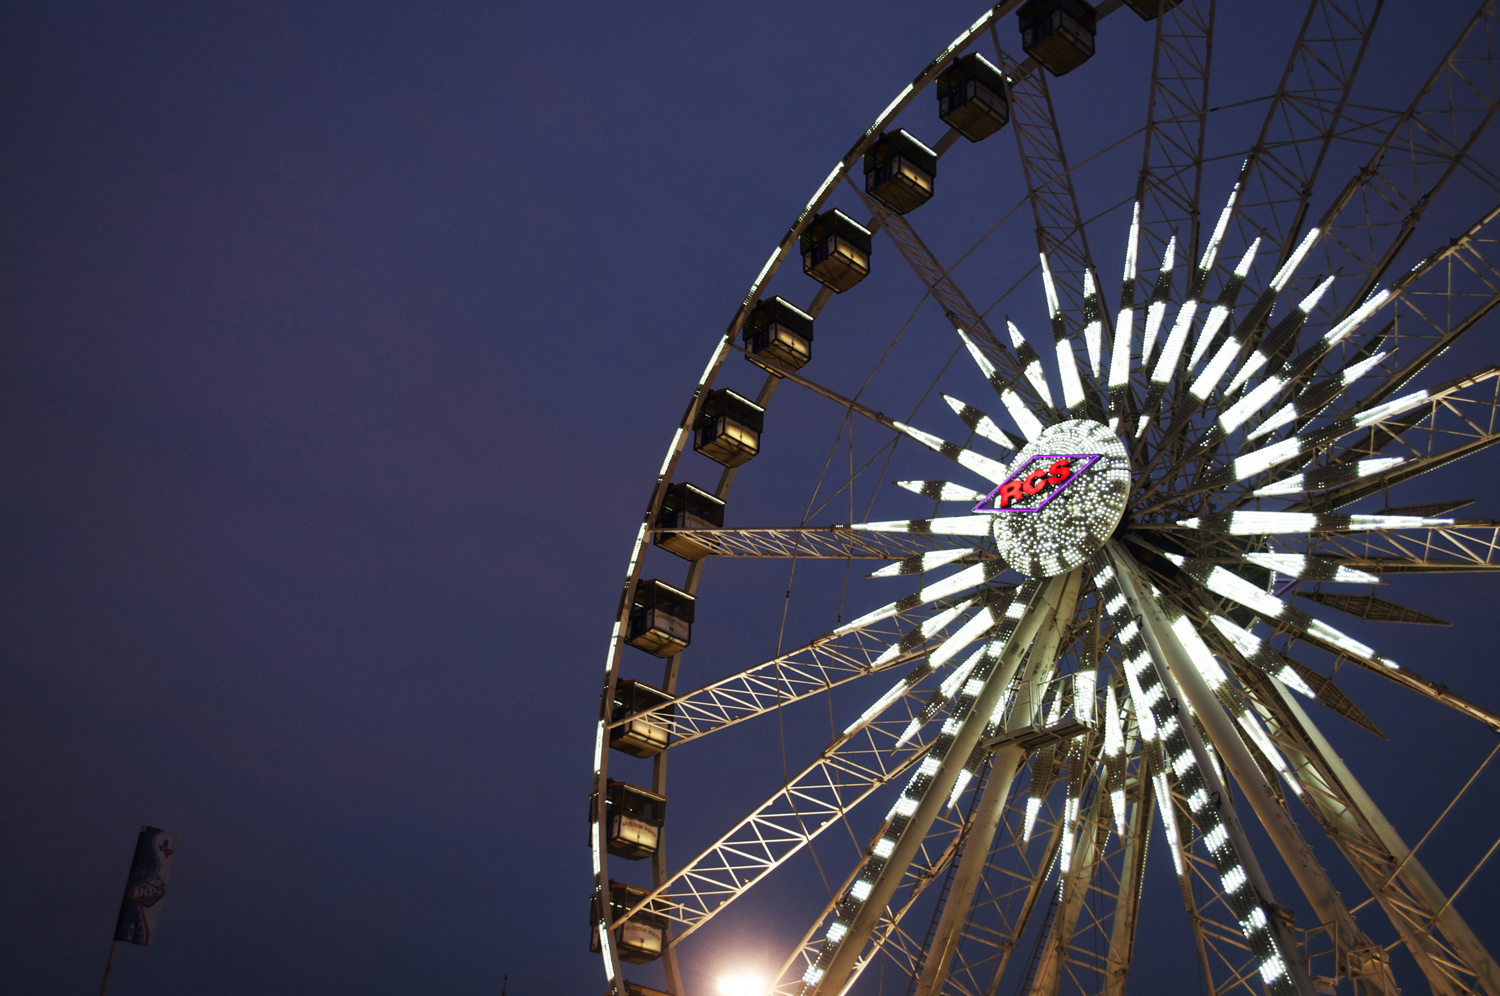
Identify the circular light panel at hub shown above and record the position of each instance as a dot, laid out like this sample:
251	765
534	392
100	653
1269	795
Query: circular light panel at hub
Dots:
1064	498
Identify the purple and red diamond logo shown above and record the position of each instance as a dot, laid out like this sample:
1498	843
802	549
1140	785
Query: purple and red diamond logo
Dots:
1037	482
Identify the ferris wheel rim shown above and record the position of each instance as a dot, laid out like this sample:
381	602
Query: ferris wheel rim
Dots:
679	440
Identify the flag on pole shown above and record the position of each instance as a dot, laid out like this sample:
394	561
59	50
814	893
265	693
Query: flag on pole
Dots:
141	908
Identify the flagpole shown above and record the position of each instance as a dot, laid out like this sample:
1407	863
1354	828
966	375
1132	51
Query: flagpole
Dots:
109	966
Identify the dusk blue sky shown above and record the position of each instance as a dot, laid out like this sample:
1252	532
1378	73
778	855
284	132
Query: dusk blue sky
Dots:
341	345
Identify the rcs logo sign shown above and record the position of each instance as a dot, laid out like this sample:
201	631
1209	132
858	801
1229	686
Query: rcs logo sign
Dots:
1038	482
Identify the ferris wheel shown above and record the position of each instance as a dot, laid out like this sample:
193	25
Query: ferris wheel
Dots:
1097	582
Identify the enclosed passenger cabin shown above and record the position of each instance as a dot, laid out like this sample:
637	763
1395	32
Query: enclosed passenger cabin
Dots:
687	507
780	332
632	989
836	251
639	939
661	619
643	735
900	171
633	819
971	97
1149	10
728	428
1058	33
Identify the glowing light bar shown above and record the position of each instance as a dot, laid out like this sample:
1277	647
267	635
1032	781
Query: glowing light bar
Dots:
951	525
924	562
992	470
1198	652
960	674
1084	684
1295	260
965	635
1067	360
1330	477
1119	362
961	783
1031	364
1019	413
1223	308
1316	397
922	633
1211	253
1070	818
942	491
1268	606
897	690
1262	741
1168	819
1357	318
1114	757
1093	329
981	424
951	585
1266	523
1300	565
1283	331
1158	306
1260	654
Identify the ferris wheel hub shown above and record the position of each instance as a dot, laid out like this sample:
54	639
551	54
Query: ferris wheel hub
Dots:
1065	496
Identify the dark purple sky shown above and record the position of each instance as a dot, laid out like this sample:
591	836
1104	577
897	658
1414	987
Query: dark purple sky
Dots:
341	346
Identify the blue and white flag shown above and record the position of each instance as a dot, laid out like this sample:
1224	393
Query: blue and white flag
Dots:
147	885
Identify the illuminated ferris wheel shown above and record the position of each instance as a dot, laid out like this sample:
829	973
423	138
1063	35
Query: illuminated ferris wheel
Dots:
1109	594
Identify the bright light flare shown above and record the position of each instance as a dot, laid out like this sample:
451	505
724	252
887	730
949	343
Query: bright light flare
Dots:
741	985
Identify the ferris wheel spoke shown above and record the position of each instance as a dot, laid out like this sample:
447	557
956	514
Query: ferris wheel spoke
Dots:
1303	117
1031	363
1022	715
830	543
1004	388
1430	929
846	773
1460	548
896	844
1463	272
1177	122
1207	687
1306	627
1164	372
1416	157
835	659
1062	344
1158	704
951	525
1060	231
951	298
991	470
981	423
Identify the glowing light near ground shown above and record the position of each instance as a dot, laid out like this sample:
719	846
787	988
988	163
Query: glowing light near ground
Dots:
741	985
